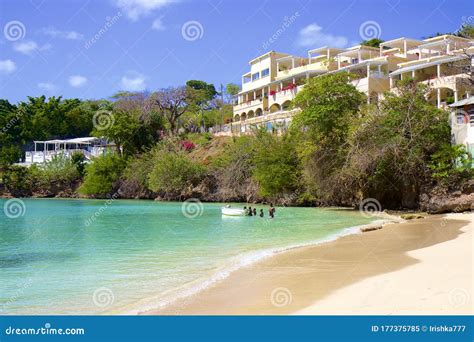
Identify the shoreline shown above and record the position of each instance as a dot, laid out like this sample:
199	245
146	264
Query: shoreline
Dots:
242	261
298	280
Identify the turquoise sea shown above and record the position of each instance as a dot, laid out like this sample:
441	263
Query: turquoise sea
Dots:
125	256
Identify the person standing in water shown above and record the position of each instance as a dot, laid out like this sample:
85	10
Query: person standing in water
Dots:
254	211
271	211
250	211
261	212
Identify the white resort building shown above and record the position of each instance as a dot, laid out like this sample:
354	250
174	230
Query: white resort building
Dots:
275	78
45	151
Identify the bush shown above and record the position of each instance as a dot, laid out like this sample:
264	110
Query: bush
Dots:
102	176
450	162
174	173
60	172
135	177
17	181
233	170
276	165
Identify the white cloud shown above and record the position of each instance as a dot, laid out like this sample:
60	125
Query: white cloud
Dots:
77	81
28	47
55	33
133	83
25	48
312	36
47	86
158	25
7	66
134	9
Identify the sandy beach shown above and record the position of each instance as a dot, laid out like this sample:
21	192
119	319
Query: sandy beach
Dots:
423	266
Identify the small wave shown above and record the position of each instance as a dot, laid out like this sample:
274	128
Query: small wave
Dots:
233	264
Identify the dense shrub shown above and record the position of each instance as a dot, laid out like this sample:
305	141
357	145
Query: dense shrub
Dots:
102	176
174	173
276	165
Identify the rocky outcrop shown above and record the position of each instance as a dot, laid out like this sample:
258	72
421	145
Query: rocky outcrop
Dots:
441	200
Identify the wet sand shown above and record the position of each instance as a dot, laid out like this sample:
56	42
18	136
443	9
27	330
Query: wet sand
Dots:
418	267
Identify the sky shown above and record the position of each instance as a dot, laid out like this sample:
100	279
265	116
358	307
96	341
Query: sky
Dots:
90	49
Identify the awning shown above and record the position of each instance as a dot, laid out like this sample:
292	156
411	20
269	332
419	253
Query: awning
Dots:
86	140
465	102
426	65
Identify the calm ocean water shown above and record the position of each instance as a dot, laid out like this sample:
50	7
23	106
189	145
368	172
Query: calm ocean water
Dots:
93	256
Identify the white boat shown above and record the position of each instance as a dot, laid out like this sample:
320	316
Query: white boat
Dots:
232	212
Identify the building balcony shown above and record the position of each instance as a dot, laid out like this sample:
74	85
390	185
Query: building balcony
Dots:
251	105
283	96
377	82
453	82
277	120
317	67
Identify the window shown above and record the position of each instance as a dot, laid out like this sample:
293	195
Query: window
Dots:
265	72
246	79
460	118
471	116
255	76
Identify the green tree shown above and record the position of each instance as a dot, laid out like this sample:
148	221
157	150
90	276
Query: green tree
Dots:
232	89
390	149
276	167
174	173
466	31
102	176
328	105
374	42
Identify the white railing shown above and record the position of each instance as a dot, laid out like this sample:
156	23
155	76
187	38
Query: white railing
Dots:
46	156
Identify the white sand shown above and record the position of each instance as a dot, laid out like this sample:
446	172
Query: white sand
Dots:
441	283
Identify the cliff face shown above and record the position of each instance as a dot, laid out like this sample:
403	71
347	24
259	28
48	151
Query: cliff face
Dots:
441	200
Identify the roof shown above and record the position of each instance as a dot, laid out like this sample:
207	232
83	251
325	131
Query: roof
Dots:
289	58
85	140
324	49
373	61
425	65
468	101
445	36
265	55
399	42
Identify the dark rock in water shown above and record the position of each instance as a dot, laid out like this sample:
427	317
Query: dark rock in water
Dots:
370	228
440	200
412	216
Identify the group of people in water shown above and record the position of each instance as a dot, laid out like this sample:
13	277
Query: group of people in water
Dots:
253	211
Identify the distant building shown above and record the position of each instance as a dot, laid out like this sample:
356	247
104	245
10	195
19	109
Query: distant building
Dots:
275	78
462	123
44	151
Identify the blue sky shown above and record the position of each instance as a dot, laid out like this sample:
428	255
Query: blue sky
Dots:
93	48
